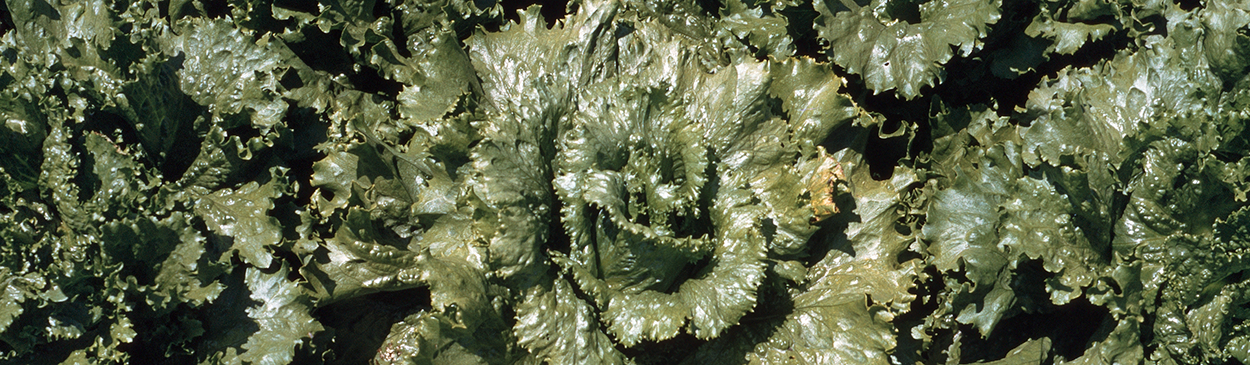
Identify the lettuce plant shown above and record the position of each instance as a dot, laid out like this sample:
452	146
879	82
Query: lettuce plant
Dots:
618	181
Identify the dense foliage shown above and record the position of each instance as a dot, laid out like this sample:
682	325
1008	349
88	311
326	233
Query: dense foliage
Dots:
620	181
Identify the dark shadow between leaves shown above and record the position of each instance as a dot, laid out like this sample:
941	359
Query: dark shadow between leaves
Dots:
357	327
43	8
552	11
1071	327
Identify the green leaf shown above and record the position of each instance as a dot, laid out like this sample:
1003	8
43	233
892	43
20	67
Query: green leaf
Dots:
233	76
436	338
25	130
253	181
335	173
1108	109
242	215
841	309
1028	352
900	45
261	319
963	232
442	75
766	32
557	327
1227	44
17	290
283	317
163	116
511	176
810	94
635	229
123	183
170	257
1068	37
1037	224
992	220
1173	211
355	263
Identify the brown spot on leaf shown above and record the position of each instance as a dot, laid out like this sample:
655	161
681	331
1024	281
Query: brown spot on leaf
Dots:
822	187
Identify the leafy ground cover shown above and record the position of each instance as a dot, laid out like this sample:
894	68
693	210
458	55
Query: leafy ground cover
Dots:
619	181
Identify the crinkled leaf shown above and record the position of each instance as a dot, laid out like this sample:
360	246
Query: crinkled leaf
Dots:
897	45
446	76
1168	223
228	73
841	310
355	263
170	256
1226	42
765	32
283	315
242	215
963	229
557	327
1067	37
261	319
1108	101
434	338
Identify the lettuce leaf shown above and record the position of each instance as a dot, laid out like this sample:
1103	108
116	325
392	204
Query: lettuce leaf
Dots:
618	181
899	45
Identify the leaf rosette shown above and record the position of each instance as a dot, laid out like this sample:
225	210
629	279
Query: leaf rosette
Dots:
619	185
675	181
